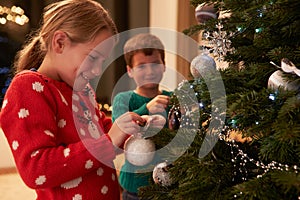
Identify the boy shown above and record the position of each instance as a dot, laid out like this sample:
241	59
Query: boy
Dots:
145	62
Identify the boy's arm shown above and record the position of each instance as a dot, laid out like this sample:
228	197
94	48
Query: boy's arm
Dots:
142	110
121	105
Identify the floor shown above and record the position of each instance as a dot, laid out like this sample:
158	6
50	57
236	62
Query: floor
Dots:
13	188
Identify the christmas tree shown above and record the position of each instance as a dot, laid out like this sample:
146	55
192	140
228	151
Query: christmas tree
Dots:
257	152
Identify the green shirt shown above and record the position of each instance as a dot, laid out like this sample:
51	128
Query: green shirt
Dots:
131	101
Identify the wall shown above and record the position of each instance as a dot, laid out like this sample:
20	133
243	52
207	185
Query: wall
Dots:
163	14
174	16
6	158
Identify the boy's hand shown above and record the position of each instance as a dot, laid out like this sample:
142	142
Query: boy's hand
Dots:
158	104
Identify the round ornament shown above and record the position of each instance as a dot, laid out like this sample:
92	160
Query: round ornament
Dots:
277	80
161	174
205	12
139	151
289	67
202	65
174	117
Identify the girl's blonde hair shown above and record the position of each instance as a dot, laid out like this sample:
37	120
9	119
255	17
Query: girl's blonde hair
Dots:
81	20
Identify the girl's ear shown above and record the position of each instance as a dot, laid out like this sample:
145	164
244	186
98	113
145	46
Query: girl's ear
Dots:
59	41
129	71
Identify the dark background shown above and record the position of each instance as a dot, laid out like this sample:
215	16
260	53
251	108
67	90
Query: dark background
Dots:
127	14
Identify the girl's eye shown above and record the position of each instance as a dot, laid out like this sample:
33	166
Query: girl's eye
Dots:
92	58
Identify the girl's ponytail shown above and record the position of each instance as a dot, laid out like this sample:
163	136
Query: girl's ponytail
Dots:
31	56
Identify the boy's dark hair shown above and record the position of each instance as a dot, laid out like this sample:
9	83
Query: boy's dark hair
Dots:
144	42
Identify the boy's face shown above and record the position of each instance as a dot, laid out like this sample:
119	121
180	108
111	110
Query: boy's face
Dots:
147	70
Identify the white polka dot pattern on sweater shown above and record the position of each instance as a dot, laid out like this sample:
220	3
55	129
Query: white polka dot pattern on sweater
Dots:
77	197
100	172
40	180
75	108
89	164
62	123
63	98
48	138
4	103
72	184
15	145
23	113
82	132
47	132
104	189
37	86
34	153
67	152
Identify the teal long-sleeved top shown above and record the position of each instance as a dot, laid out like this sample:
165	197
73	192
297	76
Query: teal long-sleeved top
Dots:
131	177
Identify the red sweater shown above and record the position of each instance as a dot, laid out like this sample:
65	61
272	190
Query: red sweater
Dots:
58	139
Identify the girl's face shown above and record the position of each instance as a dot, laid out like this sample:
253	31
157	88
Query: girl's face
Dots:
147	70
83	61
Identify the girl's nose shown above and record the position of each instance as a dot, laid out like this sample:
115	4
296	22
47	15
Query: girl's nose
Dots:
97	69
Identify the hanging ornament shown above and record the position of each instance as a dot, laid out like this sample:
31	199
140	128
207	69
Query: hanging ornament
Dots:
202	65
205	12
161	174
174	117
219	42
277	80
139	151
289	67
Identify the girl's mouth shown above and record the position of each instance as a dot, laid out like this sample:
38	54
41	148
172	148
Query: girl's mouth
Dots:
85	77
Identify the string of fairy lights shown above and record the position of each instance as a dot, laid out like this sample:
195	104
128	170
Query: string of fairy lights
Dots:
14	14
239	158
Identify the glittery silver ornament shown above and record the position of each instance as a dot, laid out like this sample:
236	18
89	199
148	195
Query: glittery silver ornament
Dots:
202	65
205	12
161	174
174	117
139	151
277	80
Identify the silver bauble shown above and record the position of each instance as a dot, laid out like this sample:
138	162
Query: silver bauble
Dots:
277	80
205	12
161	174
202	65
139	151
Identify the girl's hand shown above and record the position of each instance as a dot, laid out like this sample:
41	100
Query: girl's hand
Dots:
126	124
154	124
154	121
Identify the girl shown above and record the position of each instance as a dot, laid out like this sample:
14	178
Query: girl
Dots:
62	145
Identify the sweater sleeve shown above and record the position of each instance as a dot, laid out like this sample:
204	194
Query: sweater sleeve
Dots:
29	121
143	110
121	104
107	123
